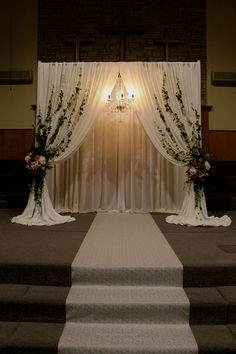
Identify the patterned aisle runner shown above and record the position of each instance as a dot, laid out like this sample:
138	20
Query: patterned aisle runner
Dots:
127	295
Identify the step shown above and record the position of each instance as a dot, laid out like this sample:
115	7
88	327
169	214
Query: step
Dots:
215	339
43	338
229	295
35	274
39	255
29	337
147	304
210	305
127	276
47	303
32	303
209	275
127	338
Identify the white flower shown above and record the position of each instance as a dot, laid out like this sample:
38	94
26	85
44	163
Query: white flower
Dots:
42	160
34	165
192	170
207	165
27	158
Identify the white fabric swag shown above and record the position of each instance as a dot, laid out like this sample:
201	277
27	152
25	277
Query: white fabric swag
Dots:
145	81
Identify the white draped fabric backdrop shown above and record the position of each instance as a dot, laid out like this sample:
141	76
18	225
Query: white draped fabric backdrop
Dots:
117	168
116	162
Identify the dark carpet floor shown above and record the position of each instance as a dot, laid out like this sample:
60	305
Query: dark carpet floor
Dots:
35	270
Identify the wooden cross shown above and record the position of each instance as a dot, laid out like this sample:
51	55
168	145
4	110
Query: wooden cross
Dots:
167	43
122	31
78	42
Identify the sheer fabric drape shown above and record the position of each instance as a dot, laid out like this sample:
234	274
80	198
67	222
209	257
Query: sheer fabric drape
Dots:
117	168
123	188
146	81
96	77
64	76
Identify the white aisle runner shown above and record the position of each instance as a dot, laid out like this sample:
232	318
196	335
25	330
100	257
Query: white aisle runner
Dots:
127	295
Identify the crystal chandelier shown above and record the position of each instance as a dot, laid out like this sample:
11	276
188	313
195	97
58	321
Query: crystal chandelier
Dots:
119	100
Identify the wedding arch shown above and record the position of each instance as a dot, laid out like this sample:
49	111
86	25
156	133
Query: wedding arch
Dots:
71	97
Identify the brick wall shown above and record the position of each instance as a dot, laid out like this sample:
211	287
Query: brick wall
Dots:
185	21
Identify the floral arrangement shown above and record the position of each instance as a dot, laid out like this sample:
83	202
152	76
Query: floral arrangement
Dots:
197	172
49	142
189	132
36	166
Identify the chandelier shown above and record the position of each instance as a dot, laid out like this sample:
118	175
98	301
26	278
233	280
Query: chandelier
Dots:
119	100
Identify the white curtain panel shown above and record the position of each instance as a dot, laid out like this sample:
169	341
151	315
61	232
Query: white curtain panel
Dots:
133	180
117	168
146	80
97	77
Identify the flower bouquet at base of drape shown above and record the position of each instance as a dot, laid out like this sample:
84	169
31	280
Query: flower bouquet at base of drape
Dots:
37	164
197	172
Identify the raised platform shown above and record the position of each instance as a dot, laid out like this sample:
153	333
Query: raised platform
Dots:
35	265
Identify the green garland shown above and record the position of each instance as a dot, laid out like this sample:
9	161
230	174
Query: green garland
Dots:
197	161
46	149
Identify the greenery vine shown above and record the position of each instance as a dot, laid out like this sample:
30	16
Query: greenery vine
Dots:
190	133
47	148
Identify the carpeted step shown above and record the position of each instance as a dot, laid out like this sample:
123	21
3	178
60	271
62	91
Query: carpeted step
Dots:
32	303
127	338
43	338
208	254
209	275
215	339
126	249
35	274
229	295
127	276
127	294
126	304
40	255
208	306
29	337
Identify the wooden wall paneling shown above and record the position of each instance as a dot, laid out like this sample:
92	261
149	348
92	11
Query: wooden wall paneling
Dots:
222	144
15	143
205	127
